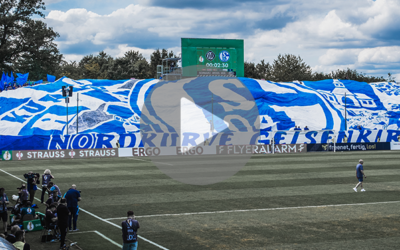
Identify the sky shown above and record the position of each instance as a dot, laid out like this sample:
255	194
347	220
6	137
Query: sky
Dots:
328	35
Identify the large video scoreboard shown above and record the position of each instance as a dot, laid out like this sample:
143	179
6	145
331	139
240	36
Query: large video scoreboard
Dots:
212	57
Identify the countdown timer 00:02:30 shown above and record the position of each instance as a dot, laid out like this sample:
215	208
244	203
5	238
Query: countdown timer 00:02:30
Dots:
217	65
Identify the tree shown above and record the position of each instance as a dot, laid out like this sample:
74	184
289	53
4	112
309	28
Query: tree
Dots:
41	55
26	44
96	67
391	78
133	64
263	70
289	68
70	70
352	74
104	61
318	76
250	70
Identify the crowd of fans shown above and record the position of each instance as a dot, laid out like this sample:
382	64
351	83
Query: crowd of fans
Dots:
12	86
61	212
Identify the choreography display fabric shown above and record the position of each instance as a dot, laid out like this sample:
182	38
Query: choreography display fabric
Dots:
114	106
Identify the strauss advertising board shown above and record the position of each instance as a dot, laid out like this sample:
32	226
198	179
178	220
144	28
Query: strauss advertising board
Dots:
64	154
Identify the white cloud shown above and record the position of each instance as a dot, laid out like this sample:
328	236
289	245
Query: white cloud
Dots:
339	56
73	57
377	55
380	55
382	16
75	25
47	2
326	34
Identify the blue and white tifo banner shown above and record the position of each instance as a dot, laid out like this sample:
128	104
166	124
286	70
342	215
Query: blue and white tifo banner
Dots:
95	140
114	106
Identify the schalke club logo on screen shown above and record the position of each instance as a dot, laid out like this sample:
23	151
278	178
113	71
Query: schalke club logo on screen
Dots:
210	55
192	117
224	56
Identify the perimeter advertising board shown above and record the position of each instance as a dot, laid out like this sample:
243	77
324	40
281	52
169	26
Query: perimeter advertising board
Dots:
212	57
64	154
395	145
217	150
261	149
32	225
348	147
6	155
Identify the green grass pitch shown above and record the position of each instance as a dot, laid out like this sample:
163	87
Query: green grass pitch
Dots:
298	184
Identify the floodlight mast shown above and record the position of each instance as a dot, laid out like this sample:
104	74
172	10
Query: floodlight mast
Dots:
212	112
67	92
77	112
345	112
67	101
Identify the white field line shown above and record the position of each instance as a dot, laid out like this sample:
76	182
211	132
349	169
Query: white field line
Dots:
97	217
101	235
257	210
82	232
149	161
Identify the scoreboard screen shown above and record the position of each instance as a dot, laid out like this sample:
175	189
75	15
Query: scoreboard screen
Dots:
212	57
216	61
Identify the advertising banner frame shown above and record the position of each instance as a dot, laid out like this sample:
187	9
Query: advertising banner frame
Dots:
330	147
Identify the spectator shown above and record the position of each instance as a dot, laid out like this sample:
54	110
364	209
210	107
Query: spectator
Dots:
62	215
51	218
16	209
398	138
129	232
46	178
306	128
3	209
20	241
23	194
52	187
118	145
345	139
31	179
51	199
11	237
73	196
